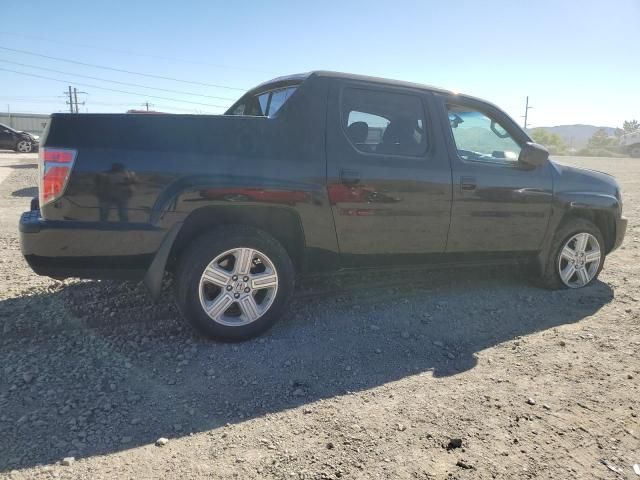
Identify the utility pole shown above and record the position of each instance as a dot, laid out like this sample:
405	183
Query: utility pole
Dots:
75	98
73	103
526	113
70	102
147	105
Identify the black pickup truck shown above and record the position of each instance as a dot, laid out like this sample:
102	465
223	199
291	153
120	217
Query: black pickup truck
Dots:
305	174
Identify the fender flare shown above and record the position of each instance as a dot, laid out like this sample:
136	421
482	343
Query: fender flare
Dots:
566	203
155	273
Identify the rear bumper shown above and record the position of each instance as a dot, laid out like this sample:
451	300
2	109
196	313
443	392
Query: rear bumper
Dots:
621	229
62	249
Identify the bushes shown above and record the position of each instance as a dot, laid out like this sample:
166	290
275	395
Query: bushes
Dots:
552	141
599	152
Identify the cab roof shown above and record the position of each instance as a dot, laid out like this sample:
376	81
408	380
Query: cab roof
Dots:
300	77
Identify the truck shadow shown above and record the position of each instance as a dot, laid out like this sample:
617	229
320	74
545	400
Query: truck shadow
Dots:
28	192
94	368
22	166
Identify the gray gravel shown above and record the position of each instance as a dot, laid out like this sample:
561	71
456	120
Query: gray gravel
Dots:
469	373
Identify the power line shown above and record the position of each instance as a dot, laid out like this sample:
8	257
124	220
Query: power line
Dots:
139	54
26	100
97	102
110	89
133	104
28	96
115	81
39	112
122	70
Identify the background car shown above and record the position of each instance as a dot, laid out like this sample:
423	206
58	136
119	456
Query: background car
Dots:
630	143
22	142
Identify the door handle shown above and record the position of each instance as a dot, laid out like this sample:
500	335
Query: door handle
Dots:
467	184
349	177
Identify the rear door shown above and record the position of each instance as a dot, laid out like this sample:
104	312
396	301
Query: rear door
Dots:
499	204
388	174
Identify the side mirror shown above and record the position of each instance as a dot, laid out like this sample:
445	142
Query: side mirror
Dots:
533	155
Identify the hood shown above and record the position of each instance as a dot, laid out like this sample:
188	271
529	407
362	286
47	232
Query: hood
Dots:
584	180
34	137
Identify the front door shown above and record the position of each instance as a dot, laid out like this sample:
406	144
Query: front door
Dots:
7	141
499	204
389	181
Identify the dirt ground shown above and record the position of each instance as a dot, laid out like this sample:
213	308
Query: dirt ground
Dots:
370	378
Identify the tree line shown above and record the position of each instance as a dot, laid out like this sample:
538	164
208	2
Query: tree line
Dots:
601	144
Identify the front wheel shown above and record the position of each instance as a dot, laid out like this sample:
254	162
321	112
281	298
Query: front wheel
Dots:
24	146
577	256
233	283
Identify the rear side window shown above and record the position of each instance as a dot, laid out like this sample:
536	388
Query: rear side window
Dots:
376	121
265	104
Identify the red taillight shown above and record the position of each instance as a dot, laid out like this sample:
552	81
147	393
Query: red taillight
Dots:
59	156
55	168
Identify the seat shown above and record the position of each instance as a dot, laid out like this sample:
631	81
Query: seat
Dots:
398	138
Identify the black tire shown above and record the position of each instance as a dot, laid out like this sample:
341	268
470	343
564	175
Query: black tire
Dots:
203	250
551	275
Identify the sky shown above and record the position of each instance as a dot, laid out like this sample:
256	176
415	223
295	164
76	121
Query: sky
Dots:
577	60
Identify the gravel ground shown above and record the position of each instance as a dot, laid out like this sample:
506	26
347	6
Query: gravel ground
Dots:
468	373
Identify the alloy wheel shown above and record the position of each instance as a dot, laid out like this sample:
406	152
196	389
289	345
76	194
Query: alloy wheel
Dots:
579	260
24	146
238	286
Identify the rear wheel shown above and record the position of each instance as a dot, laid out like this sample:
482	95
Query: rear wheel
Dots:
233	283
577	256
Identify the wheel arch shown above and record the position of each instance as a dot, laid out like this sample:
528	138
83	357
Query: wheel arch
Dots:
604	219
598	208
281	223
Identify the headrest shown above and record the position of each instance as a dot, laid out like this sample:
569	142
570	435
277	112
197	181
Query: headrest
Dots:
400	131
358	132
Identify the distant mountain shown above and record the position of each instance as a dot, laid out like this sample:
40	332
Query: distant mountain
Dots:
577	136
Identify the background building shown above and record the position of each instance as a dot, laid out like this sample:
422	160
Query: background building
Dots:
27	122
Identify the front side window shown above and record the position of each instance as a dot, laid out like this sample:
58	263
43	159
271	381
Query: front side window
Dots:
478	137
265	104
381	122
